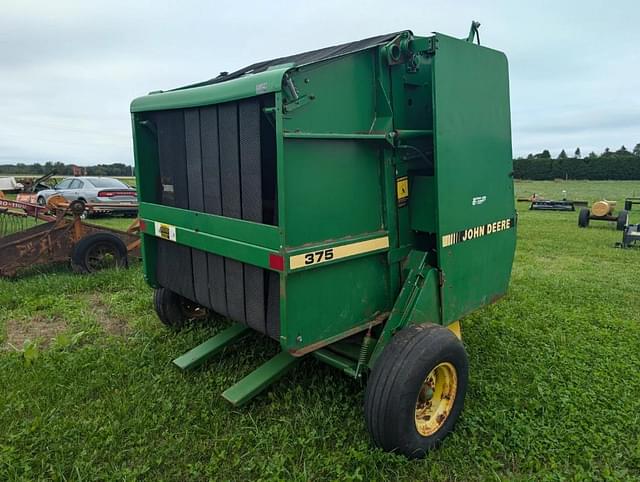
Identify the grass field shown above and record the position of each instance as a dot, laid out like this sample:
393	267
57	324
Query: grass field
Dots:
554	391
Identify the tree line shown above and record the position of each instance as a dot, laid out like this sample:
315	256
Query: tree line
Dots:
61	169
621	164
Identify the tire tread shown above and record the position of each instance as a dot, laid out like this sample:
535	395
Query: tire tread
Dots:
412	345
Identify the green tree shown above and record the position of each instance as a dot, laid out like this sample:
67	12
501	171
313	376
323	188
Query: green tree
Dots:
593	155
578	154
562	155
636	150
543	155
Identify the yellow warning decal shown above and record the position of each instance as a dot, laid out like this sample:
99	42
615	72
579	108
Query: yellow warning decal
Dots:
329	254
165	231
402	190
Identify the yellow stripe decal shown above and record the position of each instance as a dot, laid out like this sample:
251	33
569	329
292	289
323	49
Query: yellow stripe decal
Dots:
330	254
478	231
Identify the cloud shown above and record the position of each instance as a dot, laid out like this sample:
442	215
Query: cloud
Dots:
71	68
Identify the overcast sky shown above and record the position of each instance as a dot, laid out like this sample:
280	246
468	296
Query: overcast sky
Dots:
69	69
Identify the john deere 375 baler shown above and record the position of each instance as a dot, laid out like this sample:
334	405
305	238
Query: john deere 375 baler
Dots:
352	203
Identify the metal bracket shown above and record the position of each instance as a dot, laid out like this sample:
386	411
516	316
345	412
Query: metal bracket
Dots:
416	302
299	102
474	32
290	88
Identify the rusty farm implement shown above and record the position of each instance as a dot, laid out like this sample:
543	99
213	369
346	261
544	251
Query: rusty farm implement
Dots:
59	234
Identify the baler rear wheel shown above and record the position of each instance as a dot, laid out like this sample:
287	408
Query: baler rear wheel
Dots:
623	220
416	390
174	310
583	218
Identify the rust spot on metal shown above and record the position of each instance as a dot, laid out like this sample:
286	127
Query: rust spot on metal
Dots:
319	344
496	297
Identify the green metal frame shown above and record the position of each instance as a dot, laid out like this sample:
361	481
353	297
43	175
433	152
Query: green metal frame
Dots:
438	115
263	376
241	88
201	353
242	240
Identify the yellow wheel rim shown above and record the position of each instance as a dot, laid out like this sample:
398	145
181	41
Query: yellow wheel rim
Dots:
436	398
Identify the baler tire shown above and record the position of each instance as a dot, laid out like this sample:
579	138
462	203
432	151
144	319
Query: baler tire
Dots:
395	392
83	256
623	220
174	311
583	218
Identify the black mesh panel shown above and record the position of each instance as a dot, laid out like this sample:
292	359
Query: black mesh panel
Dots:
231	202
251	176
174	260
213	202
273	305
220	160
196	200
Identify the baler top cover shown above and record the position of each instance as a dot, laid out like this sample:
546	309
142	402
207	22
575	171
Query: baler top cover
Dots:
303	58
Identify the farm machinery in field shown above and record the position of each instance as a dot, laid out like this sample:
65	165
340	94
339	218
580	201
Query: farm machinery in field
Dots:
603	211
630	201
552	205
33	186
538	203
351	203
59	234
630	236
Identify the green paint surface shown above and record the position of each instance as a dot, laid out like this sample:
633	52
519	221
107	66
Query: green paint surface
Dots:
356	123
472	144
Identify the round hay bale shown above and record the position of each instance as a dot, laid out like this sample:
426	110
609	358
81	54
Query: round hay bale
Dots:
602	208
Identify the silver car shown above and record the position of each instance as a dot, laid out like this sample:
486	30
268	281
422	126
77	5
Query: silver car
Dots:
110	194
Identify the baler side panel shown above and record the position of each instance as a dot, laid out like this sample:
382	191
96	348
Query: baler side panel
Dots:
328	301
332	191
343	92
474	184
